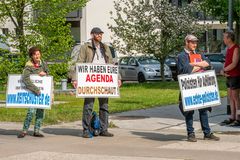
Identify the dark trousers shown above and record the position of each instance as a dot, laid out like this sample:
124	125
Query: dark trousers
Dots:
103	113
203	115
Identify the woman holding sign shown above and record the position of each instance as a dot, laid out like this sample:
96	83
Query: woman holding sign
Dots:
34	66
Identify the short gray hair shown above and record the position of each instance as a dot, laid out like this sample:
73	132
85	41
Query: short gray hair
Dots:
191	37
230	34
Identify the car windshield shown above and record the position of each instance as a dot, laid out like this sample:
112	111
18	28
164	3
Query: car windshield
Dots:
170	60
216	57
148	60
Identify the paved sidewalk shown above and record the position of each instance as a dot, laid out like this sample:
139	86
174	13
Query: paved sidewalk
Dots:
151	134
170	117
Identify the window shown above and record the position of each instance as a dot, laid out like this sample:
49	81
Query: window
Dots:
132	62
16	32
148	60
5	31
124	61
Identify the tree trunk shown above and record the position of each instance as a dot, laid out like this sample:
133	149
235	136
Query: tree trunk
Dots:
162	69
22	44
20	29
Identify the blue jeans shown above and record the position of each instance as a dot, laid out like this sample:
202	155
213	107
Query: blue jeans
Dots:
203	115
38	122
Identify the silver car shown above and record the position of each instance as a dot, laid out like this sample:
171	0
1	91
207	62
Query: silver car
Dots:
217	61
142	69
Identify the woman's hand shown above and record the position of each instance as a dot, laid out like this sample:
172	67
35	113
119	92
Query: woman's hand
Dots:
38	93
74	83
42	73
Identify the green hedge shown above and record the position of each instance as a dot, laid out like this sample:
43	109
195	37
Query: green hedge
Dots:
9	64
58	71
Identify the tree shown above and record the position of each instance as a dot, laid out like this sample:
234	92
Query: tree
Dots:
219	10
50	27
39	23
152	27
15	11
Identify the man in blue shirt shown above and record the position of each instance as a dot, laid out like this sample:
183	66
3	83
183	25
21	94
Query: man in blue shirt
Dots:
187	64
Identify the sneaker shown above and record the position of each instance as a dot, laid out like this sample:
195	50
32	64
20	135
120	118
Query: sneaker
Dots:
227	122
211	136
37	134
191	138
86	134
22	135
235	123
106	134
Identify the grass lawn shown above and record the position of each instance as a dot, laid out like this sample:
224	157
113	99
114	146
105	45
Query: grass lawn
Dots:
133	97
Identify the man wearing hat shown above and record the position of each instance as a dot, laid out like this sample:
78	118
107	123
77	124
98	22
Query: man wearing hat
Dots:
190	62
95	52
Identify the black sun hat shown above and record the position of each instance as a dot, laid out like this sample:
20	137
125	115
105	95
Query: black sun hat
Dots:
96	30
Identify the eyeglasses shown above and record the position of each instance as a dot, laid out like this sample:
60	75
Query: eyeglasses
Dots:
193	42
98	34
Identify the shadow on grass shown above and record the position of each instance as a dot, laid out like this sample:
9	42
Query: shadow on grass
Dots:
155	85
127	101
159	136
63	131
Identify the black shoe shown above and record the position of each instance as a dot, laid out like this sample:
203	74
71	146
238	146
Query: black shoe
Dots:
227	122
211	136
191	138
235	123
37	134
86	134
22	135
106	134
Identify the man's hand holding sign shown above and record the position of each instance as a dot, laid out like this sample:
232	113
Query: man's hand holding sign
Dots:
198	88
95	76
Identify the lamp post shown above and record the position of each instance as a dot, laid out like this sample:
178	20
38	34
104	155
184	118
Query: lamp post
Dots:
230	14
230	28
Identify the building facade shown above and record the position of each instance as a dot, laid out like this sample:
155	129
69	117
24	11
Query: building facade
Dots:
212	40
96	13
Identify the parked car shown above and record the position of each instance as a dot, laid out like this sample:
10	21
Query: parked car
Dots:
171	61
3	44
6	55
217	61
142	68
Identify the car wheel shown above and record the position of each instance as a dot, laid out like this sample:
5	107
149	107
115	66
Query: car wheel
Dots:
175	79
141	78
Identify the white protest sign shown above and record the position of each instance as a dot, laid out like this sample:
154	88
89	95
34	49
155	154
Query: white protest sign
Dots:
95	80
199	90
20	97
